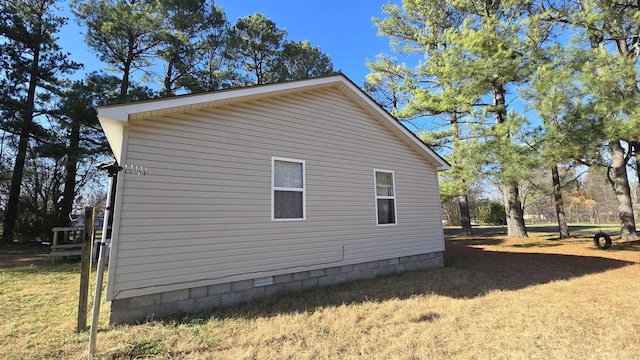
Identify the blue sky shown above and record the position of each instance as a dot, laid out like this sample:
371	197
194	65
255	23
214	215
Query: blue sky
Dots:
342	29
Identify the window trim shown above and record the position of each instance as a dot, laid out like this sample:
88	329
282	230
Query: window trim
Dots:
303	190
377	197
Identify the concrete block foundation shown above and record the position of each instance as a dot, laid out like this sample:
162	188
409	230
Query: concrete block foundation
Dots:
157	306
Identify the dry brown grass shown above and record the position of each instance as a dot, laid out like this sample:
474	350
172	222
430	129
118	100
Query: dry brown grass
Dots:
497	298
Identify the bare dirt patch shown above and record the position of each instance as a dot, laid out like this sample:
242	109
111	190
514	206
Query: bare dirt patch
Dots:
18	255
8	261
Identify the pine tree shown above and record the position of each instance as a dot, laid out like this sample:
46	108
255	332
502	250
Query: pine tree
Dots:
552	92
299	60
82	139
475	52
32	62
606	34
125	33
193	29
255	42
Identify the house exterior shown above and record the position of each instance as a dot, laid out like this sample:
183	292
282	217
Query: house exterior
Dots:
252	192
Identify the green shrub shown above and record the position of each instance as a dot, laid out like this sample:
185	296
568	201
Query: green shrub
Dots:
492	213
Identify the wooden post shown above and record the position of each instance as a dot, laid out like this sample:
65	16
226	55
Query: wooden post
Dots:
85	271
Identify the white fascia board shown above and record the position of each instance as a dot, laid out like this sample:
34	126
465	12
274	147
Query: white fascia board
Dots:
118	113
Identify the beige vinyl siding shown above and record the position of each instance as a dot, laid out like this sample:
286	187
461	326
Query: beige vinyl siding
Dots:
202	213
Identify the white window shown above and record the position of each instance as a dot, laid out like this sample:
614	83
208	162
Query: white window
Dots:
385	197
288	189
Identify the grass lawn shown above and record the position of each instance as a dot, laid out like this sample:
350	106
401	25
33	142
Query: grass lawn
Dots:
496	298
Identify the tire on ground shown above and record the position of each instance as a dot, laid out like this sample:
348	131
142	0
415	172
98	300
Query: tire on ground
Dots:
600	245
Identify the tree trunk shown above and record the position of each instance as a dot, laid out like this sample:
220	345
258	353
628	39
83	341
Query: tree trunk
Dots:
124	85
126	68
559	201
465	218
620	183
11	211
512	204
636	148
513	208
168	83
71	169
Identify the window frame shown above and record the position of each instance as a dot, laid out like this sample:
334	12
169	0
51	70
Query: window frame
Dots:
380	197
302	190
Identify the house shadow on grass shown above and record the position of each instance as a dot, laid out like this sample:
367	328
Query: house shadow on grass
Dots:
469	272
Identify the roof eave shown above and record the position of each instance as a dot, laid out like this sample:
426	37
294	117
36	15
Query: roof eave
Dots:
145	109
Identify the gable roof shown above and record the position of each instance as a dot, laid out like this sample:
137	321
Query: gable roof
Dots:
114	118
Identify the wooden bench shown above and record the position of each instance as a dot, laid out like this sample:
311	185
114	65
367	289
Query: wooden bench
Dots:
65	242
